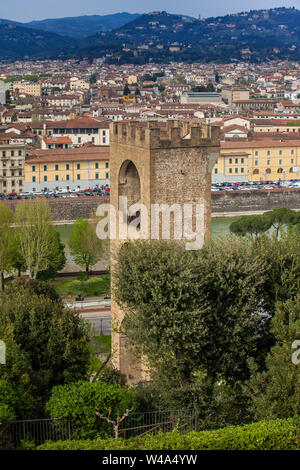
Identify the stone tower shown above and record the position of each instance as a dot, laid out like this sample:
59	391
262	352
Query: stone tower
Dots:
154	165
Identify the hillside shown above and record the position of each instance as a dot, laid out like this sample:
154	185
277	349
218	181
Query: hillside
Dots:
161	37
17	42
83	26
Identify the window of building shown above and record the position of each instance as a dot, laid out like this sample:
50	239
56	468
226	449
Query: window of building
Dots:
13	183
33	179
104	140
280	152
242	160
67	177
236	170
292	160
280	162
33	168
20	182
96	165
97	176
256	153
45	178
256	163
230	161
268	152
45	167
4	153
12	153
292	152
78	177
67	166
107	175
268	162
79	140
20	153
78	166
242	170
216	171
56	178
56	167
230	170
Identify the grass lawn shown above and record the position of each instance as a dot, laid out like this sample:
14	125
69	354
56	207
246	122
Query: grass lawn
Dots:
92	287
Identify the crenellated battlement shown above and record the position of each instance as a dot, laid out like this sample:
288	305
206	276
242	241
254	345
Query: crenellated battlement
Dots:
176	134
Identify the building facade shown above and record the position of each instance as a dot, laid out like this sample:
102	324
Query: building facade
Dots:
260	160
12	158
75	168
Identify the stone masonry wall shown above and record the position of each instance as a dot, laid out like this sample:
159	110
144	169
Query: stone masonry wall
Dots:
222	201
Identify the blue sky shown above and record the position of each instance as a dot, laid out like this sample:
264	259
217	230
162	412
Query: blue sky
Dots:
27	10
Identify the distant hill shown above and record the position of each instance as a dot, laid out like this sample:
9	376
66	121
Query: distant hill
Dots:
160	37
83	26
17	42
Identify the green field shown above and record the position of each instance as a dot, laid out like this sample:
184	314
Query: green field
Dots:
93	287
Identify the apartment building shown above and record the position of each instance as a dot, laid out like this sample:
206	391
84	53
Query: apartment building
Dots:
232	94
12	158
246	106
85	167
80	131
200	98
27	88
260	160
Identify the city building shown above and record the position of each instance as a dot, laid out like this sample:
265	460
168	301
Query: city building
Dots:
12	158
258	160
200	97
86	167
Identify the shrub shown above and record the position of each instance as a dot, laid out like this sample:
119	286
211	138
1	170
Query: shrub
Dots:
79	402
280	434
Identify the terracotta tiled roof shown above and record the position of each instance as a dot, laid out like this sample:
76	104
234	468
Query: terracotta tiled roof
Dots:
259	143
75	154
57	140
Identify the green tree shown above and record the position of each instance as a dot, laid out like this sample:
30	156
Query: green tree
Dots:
126	91
38	243
193	312
282	258
58	260
6	245
281	218
93	78
16	400
252	225
79	402
85	247
275	392
54	340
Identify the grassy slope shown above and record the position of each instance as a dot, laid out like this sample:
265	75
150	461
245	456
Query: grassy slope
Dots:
92	287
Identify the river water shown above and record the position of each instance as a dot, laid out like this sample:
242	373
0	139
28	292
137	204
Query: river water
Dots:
219	227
